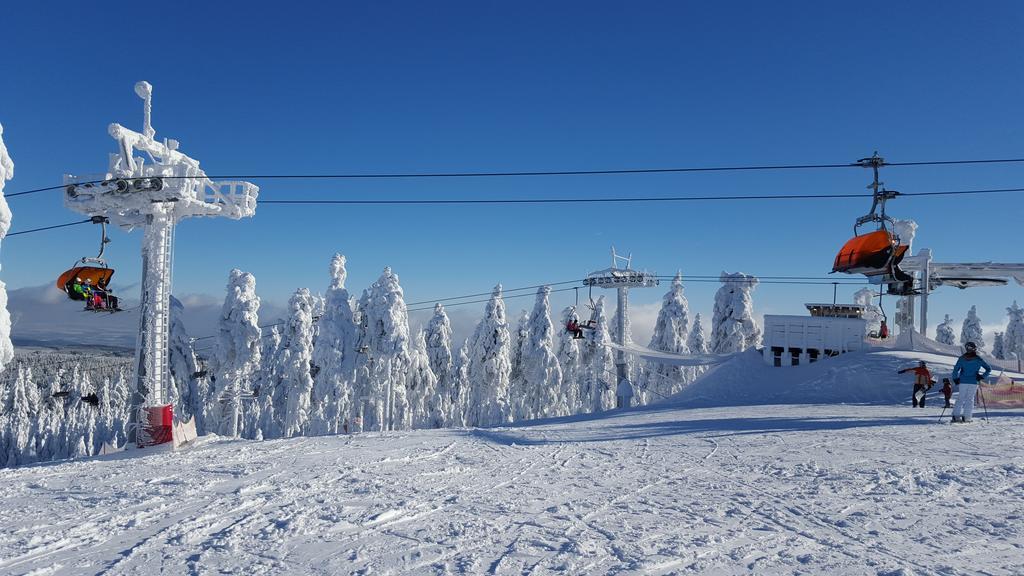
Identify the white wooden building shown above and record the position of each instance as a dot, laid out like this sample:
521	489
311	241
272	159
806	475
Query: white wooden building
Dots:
829	331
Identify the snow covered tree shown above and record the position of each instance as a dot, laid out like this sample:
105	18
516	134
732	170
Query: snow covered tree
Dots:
733	328
439	352
971	330
237	348
460	387
421	388
872	313
598	392
541	375
267	417
183	367
696	341
490	367
1013	340
334	355
21	444
384	325
999	346
570	360
697	344
296	361
517	387
6	173
670	334
944	332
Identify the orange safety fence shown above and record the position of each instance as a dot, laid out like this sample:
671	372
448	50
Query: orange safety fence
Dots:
1005	393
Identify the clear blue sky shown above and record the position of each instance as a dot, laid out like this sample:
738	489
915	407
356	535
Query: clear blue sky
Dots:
303	87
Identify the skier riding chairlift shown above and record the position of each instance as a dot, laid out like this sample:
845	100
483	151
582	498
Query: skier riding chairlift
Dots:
87	282
574	326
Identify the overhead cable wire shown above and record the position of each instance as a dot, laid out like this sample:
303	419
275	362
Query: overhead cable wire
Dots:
545	173
20	232
620	199
586	200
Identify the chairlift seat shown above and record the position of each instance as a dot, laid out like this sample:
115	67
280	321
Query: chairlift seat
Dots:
96	276
871	254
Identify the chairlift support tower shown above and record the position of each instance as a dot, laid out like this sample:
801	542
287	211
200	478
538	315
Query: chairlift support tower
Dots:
621	280
154	196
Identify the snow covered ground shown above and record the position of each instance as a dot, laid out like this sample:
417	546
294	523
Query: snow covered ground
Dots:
692	485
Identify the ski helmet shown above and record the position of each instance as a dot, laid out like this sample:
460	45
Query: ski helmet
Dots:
971	347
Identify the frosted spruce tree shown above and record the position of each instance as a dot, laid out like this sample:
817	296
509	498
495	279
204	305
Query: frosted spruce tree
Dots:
671	330
697	343
439	353
334	355
237	350
6	173
999	346
944	332
265	417
421	388
384	338
460	384
295	362
971	330
733	328
490	367
570	360
183	368
598	392
1013	340
517	386
541	374
872	313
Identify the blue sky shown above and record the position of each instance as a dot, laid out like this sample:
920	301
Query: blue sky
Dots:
492	86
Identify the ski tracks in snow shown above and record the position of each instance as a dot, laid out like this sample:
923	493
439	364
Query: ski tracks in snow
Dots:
727	491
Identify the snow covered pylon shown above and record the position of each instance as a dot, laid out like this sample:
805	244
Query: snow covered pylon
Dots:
152	185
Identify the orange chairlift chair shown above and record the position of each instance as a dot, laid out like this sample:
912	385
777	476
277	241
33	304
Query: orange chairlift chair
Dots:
876	254
89	278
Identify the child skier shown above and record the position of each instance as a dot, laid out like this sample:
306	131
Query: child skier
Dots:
922	382
947	391
969	367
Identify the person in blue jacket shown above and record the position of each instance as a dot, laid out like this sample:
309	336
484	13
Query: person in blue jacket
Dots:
969	371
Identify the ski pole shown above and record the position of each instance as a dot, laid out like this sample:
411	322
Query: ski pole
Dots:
983	403
942	414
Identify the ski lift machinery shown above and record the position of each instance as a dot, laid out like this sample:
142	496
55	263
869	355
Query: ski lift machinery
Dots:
621	280
150	184
876	254
883	257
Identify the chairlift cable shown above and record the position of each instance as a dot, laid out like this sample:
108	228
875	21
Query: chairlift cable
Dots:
544	173
583	201
87	221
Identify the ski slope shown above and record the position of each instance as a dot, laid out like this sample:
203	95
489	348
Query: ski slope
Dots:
689	486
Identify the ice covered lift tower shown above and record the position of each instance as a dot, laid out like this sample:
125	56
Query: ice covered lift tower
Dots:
621	279
151	185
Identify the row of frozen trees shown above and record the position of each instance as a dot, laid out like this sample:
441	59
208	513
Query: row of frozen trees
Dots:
1006	345
338	364
341	364
45	413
